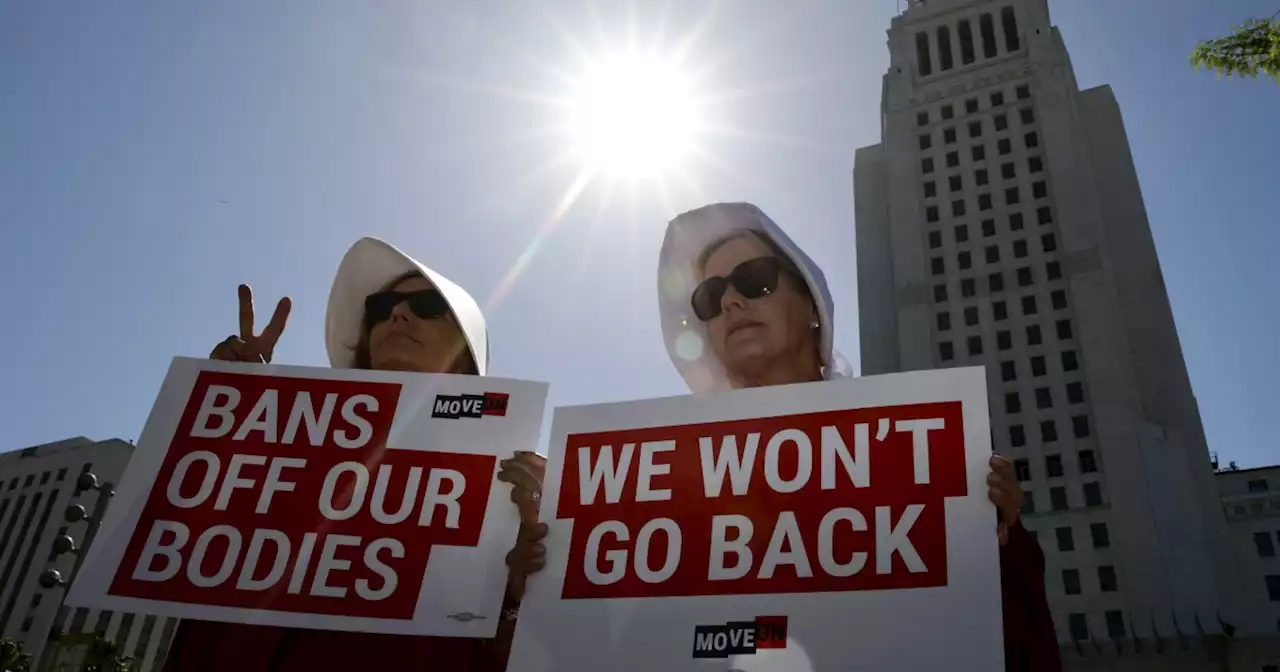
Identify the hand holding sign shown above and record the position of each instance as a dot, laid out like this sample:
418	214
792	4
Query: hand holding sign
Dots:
525	473
1006	493
250	347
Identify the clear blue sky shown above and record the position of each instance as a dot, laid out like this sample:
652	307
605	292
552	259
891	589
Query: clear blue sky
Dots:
124	126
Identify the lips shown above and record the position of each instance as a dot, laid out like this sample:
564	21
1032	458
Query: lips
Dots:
741	325
403	335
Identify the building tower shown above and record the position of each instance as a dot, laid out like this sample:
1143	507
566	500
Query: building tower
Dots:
1000	224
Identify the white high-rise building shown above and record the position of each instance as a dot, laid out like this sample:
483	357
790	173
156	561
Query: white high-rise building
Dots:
37	485
1000	224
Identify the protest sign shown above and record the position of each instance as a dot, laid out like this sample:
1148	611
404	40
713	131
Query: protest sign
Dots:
317	498
840	525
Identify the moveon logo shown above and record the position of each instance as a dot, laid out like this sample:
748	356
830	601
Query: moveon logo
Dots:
740	638
470	405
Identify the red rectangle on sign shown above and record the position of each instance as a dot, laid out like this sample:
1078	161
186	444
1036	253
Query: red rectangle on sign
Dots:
815	502
281	493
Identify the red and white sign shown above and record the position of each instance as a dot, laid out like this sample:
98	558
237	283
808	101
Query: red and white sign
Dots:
851	516
318	498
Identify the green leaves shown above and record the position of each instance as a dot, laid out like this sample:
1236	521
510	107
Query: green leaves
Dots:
1252	49
12	659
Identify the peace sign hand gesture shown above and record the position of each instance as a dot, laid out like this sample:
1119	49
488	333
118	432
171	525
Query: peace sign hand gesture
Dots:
248	347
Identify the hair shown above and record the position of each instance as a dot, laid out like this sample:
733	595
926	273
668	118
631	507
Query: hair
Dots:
464	364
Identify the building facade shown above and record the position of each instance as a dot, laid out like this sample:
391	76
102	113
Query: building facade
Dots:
1000	224
36	487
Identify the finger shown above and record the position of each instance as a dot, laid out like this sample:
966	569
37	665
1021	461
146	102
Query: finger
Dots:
243	352
533	465
520	478
271	333
222	352
246	312
532	532
997	497
1002	466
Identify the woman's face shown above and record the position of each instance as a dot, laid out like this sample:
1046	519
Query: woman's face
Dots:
750	336
406	342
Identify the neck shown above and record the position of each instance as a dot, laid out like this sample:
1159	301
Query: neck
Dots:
803	368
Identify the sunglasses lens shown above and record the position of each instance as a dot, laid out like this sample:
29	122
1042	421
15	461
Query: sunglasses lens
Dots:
707	297
428	304
756	278
378	307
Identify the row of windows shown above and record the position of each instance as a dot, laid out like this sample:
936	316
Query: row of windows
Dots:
1098	534
1049	431
1086	460
1044	399
968	51
981	178
1004	338
991	256
1012	197
1106	580
999	121
960	232
1266	547
999	309
1004	145
1058	497
44	479
1079	624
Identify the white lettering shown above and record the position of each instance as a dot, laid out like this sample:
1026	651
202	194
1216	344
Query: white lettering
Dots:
647	470
786	533
920	443
857	466
449	500
303	410
890	540
364	430
721	546
670	563
826	541
261	419
804	461
329	562
728	460
591	476
156	548
254	554
300	566
377	504
617	558
174	491
201	547
232	481
371	560
209	408
273	484
356	492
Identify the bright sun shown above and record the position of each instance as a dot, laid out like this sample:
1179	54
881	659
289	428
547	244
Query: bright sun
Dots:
633	115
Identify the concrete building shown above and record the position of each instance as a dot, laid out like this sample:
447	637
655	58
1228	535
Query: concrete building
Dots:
1251	503
36	486
1000	224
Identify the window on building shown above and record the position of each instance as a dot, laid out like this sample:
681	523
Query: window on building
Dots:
104	621
1069	361
986	26
1029	305
938	265
1024	92
1088	461
1021	468
1031	140
1059	299
1079	625
930	189
939	293
1011	196
1053	466
1044	399
971	316
979	153
1273	587
1101	537
1048	242
1075	393
926	141
1064	330
1107	578
926	165
1115	624
975	346
961	233
1044	215
1004	147
1080	426
1010	22
62	474
965	31
1039	190
1066	541
948	112
968	288
1093	494
944	49
992	253
923	61
1028	502
1053	270
1004	340
946	352
935	239
957	208
995	282
1037	366
1025	277
1258	485
1008	371
980	176
944	321
1015	221
1071	581
975	129
988	227
1013	404
971	106
1033	334
922	118
999	310
1035	164
965	260
931	214
997	99
1008	171
1017	437
949	135
1028	116
1048	431
955	183
953	159
984	202
1001	122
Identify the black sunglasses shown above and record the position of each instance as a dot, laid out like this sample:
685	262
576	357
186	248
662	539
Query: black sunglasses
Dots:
427	304
752	279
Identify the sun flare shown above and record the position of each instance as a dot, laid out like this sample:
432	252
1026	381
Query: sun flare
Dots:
633	115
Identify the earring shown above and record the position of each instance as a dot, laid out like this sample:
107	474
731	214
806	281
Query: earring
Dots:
814	324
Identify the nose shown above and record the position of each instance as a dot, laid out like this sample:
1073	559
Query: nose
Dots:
401	311
732	299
